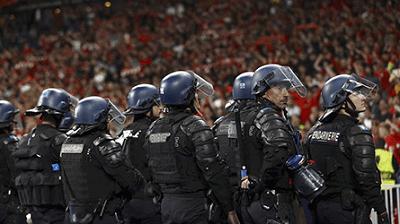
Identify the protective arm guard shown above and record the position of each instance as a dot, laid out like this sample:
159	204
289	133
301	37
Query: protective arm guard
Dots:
114	162
364	167
212	167
278	145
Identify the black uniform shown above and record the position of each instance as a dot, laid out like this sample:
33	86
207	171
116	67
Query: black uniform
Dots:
39	183
344	152
184	162
10	211
96	176
272	197
141	208
250	153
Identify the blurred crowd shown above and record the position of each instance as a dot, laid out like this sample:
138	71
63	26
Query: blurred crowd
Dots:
105	49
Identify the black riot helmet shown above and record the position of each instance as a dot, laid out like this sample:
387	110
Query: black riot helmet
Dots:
7	113
336	90
96	111
53	101
179	88
271	75
142	98
242	87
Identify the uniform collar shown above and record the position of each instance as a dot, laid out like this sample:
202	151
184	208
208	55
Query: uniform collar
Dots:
266	103
346	118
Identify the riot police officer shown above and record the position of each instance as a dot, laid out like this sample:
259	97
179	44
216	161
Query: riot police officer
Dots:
182	155
271	193
9	210
343	150
143	103
97	178
39	184
239	144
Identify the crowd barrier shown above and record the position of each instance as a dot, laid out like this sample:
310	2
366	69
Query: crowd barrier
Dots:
391	194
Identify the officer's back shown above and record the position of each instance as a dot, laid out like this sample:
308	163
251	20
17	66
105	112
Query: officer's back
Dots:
10	211
143	101
182	156
97	177
344	152
39	183
242	152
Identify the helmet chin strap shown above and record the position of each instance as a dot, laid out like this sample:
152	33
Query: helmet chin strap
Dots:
350	108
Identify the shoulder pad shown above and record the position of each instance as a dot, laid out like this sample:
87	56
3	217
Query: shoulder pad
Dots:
218	122
360	135
59	139
266	110
10	139
359	129
101	139
48	133
266	117
193	124
110	146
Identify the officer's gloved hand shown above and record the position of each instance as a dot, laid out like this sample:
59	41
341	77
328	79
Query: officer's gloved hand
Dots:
383	218
248	182
233	218
271	176
153	190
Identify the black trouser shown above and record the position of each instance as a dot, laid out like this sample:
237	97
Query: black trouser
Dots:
141	211
47	215
105	219
11	215
331	212
182	209
262	210
10	211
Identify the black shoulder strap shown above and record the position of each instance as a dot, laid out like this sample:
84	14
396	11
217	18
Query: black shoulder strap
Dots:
239	134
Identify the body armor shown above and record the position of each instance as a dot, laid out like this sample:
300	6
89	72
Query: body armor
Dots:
183	158
171	156
96	176
225	132
39	182
133	139
8	145
278	146
345	154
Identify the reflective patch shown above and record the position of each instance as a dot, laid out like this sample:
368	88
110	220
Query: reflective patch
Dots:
159	137
328	136
127	134
72	148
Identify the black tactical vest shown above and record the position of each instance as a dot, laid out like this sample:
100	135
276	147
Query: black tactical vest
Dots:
85	181
134	138
8	145
171	156
225	131
328	147
39	182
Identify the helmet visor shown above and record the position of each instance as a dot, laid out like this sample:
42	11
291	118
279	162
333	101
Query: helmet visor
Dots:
204	87
285	76
360	86
116	116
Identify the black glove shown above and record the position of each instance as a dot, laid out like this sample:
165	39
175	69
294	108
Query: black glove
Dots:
153	190
383	218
